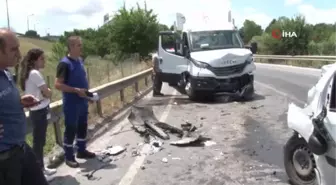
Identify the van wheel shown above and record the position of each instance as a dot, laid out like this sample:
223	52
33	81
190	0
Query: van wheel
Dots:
299	162
248	93
192	94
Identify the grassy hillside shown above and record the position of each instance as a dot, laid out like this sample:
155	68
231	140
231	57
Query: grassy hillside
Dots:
28	43
99	70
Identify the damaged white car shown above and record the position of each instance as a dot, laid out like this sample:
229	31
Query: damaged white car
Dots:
310	154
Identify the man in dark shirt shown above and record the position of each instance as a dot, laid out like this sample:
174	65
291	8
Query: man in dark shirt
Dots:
157	82
71	80
17	161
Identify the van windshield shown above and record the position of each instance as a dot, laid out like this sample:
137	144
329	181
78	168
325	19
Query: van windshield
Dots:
212	40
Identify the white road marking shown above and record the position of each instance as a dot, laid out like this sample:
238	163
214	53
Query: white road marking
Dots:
134	168
279	92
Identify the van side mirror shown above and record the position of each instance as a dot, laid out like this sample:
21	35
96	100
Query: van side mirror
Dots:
254	47
186	51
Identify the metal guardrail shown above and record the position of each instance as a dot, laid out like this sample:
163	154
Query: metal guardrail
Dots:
298	57
104	91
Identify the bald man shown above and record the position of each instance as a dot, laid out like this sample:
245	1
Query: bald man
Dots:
18	164
72	80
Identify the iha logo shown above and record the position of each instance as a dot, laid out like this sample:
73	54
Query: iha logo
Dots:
278	34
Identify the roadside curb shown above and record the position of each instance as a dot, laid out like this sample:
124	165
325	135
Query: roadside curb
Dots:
56	157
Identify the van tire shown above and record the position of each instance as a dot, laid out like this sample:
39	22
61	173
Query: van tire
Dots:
249	94
192	94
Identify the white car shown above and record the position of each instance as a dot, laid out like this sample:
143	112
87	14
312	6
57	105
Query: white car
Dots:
325	68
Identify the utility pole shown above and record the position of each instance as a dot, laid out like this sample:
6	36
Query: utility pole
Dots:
28	21
8	25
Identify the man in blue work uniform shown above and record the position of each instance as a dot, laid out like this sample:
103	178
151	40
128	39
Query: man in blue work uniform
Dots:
18	164
72	81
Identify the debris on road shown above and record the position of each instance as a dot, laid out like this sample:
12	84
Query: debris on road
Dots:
165	160
114	150
90	174
257	107
176	158
156	145
145	123
209	143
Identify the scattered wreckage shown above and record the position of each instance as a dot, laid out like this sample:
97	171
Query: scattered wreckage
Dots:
145	123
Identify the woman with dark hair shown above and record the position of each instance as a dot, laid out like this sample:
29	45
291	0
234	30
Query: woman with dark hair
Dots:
32	82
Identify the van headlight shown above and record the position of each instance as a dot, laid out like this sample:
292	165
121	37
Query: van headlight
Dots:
201	64
250	59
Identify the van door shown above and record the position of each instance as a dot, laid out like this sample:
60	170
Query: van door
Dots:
171	61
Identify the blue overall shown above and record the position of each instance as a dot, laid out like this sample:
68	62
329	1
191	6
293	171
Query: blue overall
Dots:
75	109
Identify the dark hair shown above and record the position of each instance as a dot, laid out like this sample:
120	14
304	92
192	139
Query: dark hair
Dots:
27	64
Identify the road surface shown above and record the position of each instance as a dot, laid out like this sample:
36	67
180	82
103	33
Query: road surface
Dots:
247	140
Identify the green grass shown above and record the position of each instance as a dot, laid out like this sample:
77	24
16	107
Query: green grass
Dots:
100	71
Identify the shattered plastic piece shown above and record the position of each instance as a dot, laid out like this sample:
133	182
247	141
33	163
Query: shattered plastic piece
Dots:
135	153
143	118
156	145
209	143
165	160
170	128
256	107
116	150
185	141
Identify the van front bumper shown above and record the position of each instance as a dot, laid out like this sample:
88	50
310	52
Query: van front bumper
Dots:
229	85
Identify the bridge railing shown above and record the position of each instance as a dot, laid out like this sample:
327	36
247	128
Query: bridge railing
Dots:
104	91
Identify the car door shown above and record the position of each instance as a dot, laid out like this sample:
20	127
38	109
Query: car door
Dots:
171	63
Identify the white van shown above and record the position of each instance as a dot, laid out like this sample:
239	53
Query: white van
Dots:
208	60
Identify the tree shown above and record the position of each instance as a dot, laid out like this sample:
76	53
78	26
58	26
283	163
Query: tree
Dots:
32	34
134	31
268	28
250	29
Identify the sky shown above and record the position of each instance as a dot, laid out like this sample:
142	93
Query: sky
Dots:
55	17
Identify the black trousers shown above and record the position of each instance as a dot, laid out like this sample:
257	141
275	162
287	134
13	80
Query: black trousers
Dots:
21	168
157	83
40	125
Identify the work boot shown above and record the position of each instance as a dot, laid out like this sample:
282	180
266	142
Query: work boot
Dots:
85	155
157	94
72	163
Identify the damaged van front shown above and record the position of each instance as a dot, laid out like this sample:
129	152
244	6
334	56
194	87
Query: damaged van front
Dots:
220	64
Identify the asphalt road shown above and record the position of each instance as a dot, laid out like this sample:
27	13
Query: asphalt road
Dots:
294	82
248	139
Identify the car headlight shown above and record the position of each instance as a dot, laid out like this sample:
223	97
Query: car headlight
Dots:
250	59
201	64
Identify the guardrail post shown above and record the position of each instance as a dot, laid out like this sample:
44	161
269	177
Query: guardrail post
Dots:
58	132
136	87
99	108
146	81
122	96
108	71
48	81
